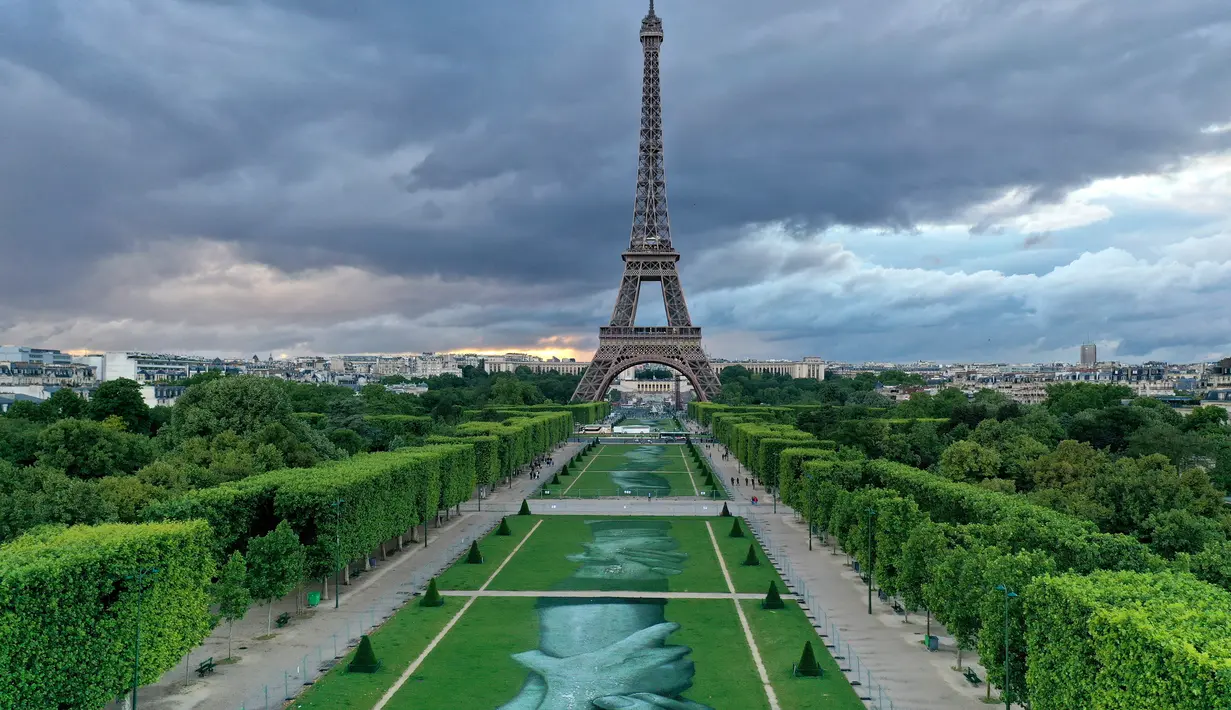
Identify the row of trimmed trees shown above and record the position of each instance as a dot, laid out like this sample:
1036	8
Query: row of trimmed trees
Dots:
1095	620
69	597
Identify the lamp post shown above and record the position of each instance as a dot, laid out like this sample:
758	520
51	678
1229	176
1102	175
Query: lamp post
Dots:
871	561
140	578
1007	596
337	552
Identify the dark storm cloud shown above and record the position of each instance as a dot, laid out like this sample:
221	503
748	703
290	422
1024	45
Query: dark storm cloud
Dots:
482	139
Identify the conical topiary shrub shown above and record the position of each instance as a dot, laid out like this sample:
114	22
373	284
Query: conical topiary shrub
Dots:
752	560
736	530
432	596
365	660
504	528
555	480
772	599
564	470
525	508
725	513
808	666
474	557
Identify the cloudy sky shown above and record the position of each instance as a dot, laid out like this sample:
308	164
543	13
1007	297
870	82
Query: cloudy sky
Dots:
855	179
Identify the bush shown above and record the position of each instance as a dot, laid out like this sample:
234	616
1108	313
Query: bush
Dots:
432	596
808	667
474	557
725	512
752	560
525	508
365	660
773	600
736	530
68	601
504	528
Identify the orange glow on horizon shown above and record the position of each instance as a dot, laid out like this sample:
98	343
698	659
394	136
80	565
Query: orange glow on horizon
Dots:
545	353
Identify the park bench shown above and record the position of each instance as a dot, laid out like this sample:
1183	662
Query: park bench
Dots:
897	606
283	619
972	676
205	667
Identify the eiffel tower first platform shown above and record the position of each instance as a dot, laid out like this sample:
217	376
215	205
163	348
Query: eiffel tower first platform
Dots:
650	257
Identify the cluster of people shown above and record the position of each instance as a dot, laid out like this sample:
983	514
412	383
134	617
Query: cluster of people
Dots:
538	463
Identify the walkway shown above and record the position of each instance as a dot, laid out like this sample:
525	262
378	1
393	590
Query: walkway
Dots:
308	643
886	645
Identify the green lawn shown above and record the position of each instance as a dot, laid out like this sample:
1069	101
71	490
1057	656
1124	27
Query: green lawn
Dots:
472	666
780	637
397	642
494	548
543	562
735	551
631	469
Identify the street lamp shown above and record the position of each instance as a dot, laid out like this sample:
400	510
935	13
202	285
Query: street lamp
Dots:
1007	596
337	552
871	560
140	578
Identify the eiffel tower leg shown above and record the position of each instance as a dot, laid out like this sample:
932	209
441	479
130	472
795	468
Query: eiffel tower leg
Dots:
625	311
590	388
673	297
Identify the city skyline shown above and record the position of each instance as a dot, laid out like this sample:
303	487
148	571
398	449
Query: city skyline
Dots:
871	182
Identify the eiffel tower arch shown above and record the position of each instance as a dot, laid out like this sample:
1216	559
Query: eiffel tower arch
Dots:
650	257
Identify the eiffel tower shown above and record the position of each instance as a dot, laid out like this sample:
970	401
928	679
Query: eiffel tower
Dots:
650	257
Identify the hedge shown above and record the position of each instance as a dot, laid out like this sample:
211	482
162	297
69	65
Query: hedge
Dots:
385	427
486	455
582	412
384	494
67	613
1124	639
790	471
314	419
522	438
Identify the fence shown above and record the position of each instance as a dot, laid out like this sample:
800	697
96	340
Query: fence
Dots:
856	672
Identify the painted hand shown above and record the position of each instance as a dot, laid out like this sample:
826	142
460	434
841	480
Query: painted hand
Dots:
636	664
646	701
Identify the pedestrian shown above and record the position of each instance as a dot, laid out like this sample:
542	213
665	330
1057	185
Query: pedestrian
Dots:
649	496
745	480
754	500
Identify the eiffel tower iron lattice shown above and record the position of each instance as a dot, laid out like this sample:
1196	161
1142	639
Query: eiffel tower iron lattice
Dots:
650	257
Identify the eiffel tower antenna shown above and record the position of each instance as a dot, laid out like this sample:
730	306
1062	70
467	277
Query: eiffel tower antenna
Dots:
650	257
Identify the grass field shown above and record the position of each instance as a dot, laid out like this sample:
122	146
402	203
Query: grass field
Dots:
476	657
780	635
473	666
632	470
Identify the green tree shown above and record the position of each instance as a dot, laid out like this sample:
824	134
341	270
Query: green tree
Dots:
954	595
275	561
121	398
1175	531
231	593
1208	418
348	440
63	404
128	495
1076	397
966	461
1071	462
1014	572
19	440
88	449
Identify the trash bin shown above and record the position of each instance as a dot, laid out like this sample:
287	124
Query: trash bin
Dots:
314	598
933	643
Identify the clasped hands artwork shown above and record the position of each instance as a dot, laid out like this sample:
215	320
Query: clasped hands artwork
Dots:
611	653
